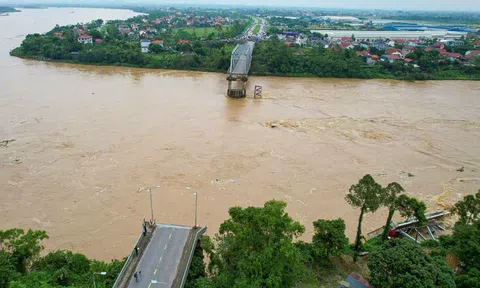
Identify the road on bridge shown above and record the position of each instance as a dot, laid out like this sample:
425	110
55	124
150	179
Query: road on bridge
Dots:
161	258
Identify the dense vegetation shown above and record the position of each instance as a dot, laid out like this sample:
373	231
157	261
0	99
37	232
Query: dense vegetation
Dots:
21	265
211	53
257	247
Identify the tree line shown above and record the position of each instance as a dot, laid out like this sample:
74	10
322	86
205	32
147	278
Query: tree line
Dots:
258	247
270	57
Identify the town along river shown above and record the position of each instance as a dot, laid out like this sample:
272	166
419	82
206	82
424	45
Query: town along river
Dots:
87	138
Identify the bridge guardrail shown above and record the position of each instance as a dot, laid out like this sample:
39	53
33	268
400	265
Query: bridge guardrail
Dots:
185	274
129	259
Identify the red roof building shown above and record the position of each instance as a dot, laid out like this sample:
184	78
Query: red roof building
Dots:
399	41
346	45
85	37
472	53
439	45
183	42
289	44
362	53
98	41
408	60
157	42
126	31
392	50
346	39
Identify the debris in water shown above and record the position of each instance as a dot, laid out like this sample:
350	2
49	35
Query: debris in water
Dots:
461	169
5	143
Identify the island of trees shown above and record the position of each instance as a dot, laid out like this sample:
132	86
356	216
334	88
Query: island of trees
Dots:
6	9
189	41
258	247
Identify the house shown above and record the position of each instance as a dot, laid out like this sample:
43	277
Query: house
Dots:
438	45
380	45
391	58
408	49
451	56
365	44
391	50
453	42
414	42
181	42
371	60
78	32
126	32
346	45
134	27
152	30
346	39
121	28
289	44
399	41
158	42
98	41
301	40
85	39
58	34
472	53
145	45
142	33
407	60
476	44
363	53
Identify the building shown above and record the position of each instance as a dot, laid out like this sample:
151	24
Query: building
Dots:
145	45
374	35
158	42
380	45
453	42
391	58
85	39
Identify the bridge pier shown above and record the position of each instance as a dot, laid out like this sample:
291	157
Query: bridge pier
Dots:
239	92
238	71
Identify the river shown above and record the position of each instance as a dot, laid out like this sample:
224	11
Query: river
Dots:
87	138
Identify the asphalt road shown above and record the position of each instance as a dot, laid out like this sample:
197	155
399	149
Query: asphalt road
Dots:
161	257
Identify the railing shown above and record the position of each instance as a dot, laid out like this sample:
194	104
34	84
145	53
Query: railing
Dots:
187	268
125	266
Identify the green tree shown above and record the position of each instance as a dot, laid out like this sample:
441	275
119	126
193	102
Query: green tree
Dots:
329	238
469	209
467	243
255	248
405	205
23	247
392	192
402	263
7	270
471	279
367	195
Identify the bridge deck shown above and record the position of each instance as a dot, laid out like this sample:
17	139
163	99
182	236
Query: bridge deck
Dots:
162	256
241	59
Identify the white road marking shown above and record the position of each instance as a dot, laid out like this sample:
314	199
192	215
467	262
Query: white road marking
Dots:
160	259
165	247
155	272
170	237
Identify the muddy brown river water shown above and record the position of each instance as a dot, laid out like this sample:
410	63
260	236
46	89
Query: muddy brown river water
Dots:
87	138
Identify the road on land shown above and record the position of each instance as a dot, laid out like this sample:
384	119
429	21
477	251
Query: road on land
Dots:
160	260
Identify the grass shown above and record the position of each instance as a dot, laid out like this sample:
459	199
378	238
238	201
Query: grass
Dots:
256	29
329	274
200	31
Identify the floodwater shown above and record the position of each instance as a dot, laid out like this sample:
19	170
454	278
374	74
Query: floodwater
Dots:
87	138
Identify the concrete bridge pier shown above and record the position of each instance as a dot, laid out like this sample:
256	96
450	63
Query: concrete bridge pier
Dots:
237	92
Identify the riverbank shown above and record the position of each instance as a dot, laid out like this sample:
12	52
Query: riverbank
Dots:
409	77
